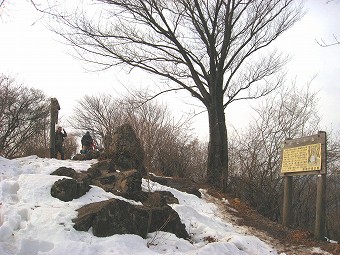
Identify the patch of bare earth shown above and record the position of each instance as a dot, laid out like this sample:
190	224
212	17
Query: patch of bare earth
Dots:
285	240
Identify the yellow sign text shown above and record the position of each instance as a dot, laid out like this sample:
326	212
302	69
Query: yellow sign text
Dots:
300	159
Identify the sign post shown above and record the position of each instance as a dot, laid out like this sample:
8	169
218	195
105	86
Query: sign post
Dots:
287	201
54	120
303	156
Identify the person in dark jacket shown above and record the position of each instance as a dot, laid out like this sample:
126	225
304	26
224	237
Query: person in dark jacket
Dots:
60	134
86	142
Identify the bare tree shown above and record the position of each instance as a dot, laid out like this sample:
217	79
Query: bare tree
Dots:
99	115
255	158
23	114
163	138
70	145
41	144
155	127
169	145
212	49
195	154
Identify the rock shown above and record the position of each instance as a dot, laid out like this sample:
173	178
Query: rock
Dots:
119	217
96	169
116	216
88	156
70	172
65	171
159	198
182	184
127	152
69	189
126	184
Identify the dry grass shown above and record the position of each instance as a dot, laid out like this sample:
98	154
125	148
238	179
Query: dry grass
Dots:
287	240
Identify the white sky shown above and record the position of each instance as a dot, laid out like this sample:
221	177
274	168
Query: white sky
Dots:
33	222
32	54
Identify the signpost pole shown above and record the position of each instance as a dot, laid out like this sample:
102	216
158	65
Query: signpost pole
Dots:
320	215
320	212
287	201
54	108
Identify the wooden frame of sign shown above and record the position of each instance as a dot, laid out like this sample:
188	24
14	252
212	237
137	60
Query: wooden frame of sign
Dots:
303	156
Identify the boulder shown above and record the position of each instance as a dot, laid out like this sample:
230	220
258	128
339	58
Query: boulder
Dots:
96	169
159	198
69	189
65	171
124	184
127	152
119	217
127	184
116	216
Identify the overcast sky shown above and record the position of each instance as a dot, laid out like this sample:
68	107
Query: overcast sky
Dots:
37	58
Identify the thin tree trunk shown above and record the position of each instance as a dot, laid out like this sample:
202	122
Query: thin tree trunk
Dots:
217	172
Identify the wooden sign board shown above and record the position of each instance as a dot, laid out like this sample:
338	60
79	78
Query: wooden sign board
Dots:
306	155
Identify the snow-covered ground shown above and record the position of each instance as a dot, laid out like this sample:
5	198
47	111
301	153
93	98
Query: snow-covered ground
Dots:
33	222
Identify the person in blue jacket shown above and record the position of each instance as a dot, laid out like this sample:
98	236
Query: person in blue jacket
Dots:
86	143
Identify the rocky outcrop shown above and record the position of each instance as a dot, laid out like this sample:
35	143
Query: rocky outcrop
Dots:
127	151
124	150
127	184
120	175
119	217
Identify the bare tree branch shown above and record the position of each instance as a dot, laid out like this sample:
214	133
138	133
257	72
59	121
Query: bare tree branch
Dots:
322	43
215	50
23	114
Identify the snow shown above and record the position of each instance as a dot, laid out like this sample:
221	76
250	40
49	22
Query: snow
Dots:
33	222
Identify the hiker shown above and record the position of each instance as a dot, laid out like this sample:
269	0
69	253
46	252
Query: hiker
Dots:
60	134
86	143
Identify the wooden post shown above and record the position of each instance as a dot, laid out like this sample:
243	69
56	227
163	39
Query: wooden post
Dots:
287	201
54	120
320	212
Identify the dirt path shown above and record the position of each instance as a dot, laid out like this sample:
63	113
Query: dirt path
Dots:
285	241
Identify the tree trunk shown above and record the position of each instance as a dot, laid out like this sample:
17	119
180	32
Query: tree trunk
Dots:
217	172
